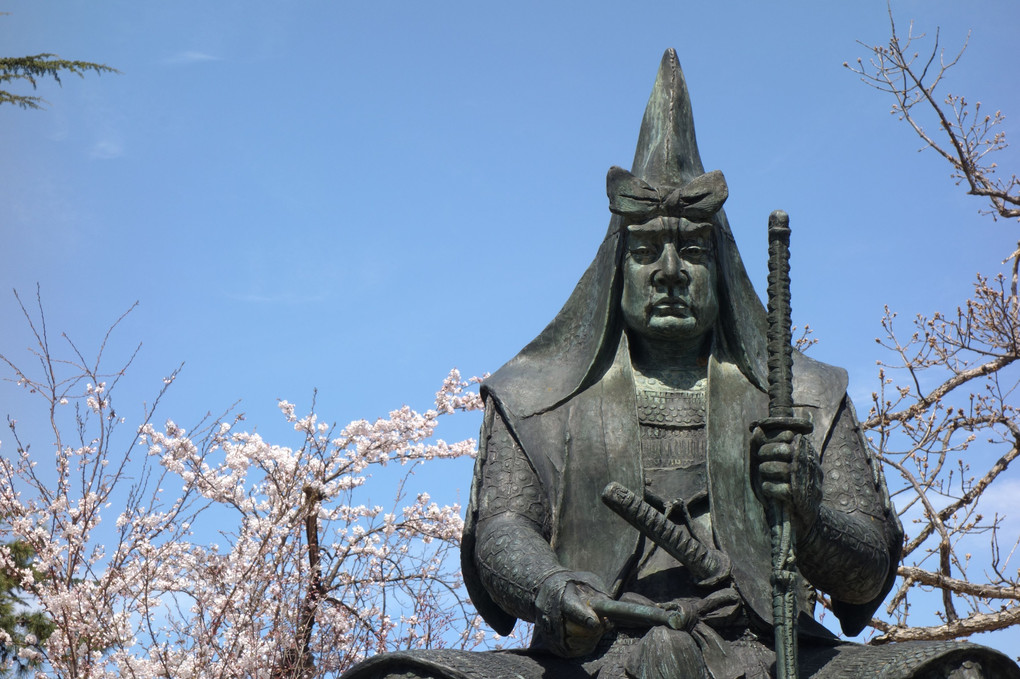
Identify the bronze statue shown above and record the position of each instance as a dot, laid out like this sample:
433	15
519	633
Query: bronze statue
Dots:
620	488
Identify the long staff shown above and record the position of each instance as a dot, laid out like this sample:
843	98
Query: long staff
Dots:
780	377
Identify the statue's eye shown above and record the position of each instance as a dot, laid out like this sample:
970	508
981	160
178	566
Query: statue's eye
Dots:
644	254
694	253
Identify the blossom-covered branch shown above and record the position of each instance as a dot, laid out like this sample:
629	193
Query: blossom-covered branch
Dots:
215	553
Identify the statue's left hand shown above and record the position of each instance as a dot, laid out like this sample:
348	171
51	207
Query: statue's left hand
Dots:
785	468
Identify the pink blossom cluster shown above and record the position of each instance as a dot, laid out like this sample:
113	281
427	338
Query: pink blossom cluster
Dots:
217	553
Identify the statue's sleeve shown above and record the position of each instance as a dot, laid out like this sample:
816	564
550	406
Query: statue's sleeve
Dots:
513	555
850	549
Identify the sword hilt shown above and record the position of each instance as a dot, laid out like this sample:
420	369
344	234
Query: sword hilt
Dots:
780	334
708	566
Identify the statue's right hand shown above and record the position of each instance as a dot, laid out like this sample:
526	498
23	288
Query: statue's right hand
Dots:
566	623
582	624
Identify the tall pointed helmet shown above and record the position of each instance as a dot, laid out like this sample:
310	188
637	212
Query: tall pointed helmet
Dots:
667	150
581	342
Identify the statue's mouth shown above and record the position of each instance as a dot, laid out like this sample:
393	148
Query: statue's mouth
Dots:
670	306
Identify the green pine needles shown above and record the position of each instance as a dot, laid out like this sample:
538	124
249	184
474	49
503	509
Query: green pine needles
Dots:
38	67
21	627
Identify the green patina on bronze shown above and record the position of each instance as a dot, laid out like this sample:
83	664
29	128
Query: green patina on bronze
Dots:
727	460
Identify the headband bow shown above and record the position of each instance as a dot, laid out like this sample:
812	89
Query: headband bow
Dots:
636	199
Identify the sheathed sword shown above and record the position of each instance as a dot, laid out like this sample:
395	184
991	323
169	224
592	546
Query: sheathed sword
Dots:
708	566
780	382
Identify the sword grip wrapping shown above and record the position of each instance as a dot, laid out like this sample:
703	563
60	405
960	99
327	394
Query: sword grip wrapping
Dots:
780	335
708	566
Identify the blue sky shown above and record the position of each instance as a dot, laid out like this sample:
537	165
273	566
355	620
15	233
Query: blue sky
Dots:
357	197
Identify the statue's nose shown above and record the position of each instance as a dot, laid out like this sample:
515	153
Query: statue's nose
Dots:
671	268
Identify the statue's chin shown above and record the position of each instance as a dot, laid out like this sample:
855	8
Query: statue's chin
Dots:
672	328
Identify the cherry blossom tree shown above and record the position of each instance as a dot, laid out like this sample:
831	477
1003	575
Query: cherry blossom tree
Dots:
303	577
211	552
944	417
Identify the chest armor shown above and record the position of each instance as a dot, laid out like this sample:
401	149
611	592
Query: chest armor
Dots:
673	441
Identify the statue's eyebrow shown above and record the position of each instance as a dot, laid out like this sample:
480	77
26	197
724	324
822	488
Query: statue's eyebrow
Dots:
653	228
689	229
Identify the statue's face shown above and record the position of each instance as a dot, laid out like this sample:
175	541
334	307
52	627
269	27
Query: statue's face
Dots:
669	279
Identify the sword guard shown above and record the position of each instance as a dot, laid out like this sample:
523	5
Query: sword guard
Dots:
798	425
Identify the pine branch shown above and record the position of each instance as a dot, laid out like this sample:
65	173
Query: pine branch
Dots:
41	66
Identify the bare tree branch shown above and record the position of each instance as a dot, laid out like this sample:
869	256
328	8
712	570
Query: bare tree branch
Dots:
944	418
966	138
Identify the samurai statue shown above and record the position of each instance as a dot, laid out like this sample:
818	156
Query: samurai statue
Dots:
619	490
